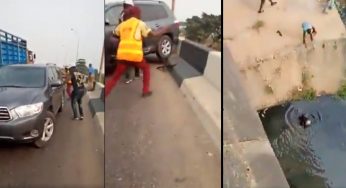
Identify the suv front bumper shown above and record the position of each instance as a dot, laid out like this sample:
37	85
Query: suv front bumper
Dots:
20	129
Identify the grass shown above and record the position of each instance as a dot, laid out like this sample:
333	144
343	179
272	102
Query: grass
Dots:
305	78
258	25
342	90
268	89
309	94
306	94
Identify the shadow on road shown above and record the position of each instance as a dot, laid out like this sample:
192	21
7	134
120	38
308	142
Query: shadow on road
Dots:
6	145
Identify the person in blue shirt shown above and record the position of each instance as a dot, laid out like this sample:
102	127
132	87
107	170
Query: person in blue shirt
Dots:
272	3
308	29
91	71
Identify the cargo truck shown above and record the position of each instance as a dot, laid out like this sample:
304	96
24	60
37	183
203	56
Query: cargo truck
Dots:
13	50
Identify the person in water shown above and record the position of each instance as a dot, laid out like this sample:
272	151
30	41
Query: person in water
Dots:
304	121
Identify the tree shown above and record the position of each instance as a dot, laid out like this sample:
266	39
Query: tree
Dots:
199	29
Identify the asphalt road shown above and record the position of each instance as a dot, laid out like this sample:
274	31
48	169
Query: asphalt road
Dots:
73	158
157	142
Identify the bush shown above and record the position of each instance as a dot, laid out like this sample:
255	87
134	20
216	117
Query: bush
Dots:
305	94
308	94
342	90
199	29
258	25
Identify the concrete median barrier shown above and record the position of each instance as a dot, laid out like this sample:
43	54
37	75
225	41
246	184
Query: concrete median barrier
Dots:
97	105
247	150
197	71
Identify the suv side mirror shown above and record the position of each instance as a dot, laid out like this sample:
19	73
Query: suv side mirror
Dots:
56	83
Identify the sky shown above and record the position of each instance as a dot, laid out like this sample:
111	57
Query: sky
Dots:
187	8
52	28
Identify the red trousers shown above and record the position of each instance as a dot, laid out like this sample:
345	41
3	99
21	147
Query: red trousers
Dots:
121	68
68	89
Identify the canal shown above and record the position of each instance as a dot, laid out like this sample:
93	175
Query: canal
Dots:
312	156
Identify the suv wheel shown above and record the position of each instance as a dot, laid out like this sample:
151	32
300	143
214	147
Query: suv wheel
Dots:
47	131
62	103
164	47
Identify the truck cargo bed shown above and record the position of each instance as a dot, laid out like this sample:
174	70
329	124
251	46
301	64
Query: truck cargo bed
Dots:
13	49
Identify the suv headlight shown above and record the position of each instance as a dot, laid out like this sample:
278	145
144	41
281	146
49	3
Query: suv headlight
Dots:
27	110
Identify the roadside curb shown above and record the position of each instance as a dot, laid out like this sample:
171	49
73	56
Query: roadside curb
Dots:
96	105
197	72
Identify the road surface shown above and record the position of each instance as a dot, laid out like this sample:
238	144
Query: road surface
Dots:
157	142
73	158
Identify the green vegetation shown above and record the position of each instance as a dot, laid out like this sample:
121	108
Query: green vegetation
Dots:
208	26
304	94
268	89
258	25
305	78
342	90
308	94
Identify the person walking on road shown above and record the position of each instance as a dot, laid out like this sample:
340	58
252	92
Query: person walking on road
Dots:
130	50
330	5
78	79
308	29
91	78
131	74
272	3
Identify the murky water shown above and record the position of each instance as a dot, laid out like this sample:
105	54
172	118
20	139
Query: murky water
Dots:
314	156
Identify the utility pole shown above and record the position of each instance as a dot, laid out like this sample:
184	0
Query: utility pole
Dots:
173	5
101	70
77	34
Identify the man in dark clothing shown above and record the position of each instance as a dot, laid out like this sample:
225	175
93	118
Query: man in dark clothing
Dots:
78	80
262	3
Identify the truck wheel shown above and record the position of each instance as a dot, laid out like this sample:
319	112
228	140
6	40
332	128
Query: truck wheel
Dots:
47	130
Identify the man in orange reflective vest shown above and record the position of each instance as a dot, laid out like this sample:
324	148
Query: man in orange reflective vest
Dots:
130	50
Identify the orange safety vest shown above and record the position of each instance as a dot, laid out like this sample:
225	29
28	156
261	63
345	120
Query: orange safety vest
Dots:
129	48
